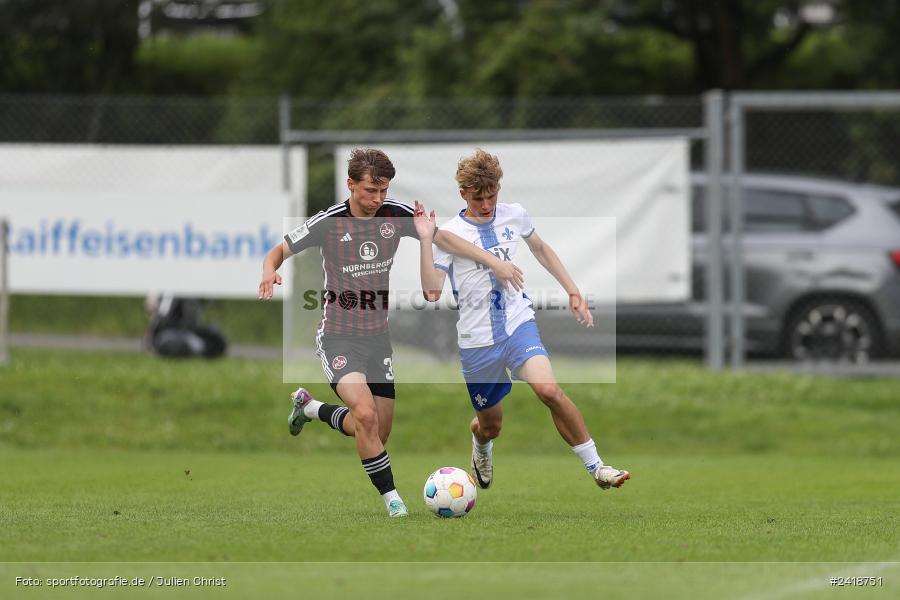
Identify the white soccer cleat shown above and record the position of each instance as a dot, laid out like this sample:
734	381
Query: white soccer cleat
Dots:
607	477
396	508
482	467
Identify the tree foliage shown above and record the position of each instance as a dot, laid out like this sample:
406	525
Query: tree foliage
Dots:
460	48
336	48
203	65
73	47
734	43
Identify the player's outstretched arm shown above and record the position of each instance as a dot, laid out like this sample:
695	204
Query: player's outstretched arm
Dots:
549	259
507	273
270	278
432	278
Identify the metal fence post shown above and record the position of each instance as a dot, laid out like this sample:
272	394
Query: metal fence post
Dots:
713	117
736	118
284	125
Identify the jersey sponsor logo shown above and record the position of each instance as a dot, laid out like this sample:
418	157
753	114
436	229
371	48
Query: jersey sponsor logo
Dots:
508	233
533	348
387	230
372	268
299	233
347	237
499	252
368	250
339	362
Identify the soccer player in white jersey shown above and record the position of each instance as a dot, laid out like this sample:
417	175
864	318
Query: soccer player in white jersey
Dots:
496	328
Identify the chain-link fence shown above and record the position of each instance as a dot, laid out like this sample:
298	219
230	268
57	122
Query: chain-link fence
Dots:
854	145
815	255
496	124
196	120
137	120
808	178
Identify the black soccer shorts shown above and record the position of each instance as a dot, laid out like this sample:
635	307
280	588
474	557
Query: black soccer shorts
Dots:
371	355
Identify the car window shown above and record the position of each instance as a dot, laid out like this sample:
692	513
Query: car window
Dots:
827	211
773	210
764	210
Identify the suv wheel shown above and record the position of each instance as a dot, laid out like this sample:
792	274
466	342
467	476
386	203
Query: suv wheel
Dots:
833	329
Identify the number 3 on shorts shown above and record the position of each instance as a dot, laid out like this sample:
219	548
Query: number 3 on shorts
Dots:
389	363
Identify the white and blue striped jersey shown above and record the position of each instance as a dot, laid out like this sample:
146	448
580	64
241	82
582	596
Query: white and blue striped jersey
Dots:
488	314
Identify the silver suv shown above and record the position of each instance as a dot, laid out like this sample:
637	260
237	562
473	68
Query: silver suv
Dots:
822	263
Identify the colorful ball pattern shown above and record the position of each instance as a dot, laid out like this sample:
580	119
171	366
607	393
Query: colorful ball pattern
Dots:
450	492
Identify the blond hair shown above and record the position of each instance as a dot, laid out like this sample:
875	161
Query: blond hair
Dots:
479	173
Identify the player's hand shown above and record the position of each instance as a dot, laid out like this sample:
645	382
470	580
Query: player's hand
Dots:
424	223
581	311
267	285
509	275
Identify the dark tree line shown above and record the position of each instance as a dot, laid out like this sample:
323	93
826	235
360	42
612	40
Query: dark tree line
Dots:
460	48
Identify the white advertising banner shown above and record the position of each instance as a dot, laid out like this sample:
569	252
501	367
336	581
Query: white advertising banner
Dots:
133	220
640	187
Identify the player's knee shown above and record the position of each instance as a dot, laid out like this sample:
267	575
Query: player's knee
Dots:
549	393
490	430
366	419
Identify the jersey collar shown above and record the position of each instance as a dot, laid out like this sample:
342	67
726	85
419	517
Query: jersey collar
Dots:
462	215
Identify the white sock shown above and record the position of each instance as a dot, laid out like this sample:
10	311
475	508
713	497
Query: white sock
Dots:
311	409
587	452
391	495
483	448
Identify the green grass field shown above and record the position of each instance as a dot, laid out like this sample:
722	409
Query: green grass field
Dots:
242	321
745	486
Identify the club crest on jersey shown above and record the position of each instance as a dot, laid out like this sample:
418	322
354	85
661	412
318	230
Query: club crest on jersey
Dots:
339	362
508	233
368	250
480	400
387	230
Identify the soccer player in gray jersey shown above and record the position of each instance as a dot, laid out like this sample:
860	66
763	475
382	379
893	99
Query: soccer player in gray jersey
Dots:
353	340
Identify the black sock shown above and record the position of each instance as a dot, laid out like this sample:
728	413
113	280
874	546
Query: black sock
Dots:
334	415
379	470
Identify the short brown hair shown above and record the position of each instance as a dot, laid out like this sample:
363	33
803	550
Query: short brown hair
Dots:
371	162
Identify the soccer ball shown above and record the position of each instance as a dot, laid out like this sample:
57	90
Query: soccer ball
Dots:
450	492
